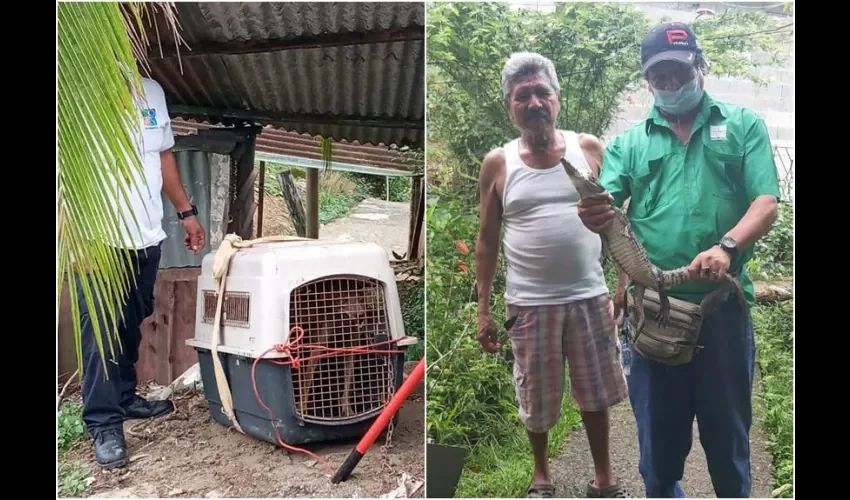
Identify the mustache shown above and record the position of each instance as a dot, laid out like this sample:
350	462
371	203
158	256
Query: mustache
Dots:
536	114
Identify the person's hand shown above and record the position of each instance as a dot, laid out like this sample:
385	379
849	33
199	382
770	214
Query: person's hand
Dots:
488	333
596	213
710	265
194	240
618	298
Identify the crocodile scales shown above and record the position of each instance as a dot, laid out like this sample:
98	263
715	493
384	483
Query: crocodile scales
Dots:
620	243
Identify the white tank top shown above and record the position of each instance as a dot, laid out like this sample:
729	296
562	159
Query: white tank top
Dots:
552	258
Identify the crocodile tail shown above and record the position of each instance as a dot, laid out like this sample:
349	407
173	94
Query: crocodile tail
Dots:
675	277
739	290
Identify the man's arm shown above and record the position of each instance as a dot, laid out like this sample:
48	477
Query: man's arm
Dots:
487	246
593	151
173	187
614	183
761	183
171	184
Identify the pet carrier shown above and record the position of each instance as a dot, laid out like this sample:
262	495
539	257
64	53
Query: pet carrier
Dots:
298	322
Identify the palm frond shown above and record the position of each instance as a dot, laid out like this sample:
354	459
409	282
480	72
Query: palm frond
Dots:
326	146
98	156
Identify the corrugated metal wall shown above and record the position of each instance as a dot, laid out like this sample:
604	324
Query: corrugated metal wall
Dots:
202	175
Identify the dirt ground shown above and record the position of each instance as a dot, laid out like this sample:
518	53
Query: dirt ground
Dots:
383	222
187	454
573	468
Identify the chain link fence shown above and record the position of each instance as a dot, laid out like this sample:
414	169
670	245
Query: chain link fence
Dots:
784	158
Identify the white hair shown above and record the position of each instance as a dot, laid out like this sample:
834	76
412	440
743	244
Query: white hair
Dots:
524	64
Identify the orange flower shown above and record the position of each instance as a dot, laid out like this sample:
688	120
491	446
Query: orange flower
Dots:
462	265
461	247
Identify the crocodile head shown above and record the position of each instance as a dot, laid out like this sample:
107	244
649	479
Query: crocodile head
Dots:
583	180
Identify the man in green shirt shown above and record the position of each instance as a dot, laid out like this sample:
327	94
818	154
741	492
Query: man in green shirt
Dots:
703	186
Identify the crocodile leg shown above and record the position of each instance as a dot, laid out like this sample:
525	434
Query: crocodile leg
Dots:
663	316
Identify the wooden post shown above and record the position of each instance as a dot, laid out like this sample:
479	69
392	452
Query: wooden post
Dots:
262	189
293	202
313	203
418	219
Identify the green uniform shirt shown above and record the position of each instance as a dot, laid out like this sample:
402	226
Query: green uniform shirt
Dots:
685	198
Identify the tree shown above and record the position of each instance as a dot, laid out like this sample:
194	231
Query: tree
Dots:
100	45
596	51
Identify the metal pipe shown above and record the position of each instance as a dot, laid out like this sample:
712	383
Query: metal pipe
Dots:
262	197
313	203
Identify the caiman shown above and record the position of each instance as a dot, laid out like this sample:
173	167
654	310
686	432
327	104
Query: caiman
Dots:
620	243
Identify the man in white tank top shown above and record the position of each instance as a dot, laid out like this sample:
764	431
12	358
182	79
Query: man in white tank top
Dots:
555	282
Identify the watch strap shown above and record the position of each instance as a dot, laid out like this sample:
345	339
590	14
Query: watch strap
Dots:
188	213
729	246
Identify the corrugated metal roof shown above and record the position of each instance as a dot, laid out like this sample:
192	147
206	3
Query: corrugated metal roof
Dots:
204	22
368	92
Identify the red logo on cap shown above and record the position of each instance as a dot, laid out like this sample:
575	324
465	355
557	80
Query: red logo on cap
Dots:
674	36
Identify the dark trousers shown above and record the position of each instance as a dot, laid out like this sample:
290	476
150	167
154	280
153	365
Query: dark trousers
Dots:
104	399
716	388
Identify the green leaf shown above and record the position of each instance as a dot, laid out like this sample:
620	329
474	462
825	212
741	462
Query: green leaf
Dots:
98	157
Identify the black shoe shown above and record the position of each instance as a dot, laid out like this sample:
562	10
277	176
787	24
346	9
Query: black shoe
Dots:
141	408
110	449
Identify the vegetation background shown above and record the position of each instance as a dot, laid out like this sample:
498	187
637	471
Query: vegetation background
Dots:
596	50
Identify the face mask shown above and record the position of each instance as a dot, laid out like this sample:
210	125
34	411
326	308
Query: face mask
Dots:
678	102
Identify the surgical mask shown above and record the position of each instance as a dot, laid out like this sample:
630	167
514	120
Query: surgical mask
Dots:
678	102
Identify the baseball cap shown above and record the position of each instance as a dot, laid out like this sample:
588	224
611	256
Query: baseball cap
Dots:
668	42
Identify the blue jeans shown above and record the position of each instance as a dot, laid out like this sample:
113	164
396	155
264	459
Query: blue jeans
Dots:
104	399
716	387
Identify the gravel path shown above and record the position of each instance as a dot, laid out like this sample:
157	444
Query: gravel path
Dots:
574	467
383	222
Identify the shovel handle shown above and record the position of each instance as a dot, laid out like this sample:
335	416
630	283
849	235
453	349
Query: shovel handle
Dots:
380	423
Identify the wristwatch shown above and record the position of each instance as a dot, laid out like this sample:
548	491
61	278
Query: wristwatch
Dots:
188	213
730	246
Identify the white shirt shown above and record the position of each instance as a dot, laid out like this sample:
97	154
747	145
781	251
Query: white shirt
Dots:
552	258
145	196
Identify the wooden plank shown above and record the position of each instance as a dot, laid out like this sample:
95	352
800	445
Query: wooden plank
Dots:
163	354
180	356
416	186
413	246
293	202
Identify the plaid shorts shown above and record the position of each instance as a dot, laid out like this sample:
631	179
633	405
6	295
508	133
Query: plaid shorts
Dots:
581	334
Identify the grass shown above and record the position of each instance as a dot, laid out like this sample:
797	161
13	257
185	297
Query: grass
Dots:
775	404
499	469
71	428
333	206
72	474
72	479
338	193
413	311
